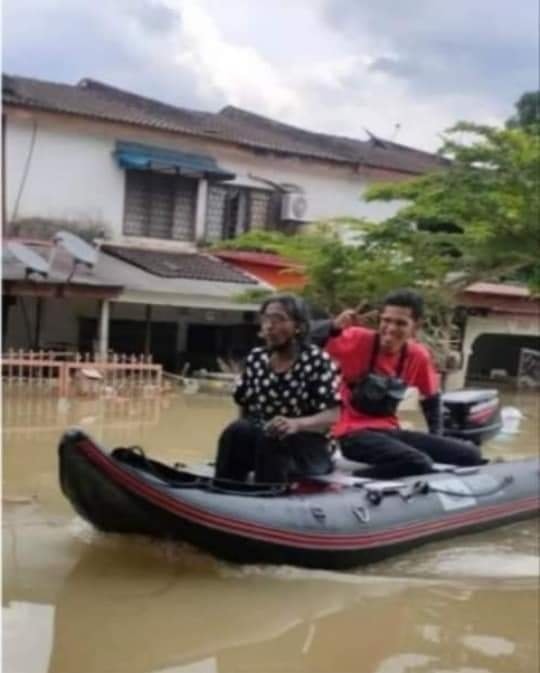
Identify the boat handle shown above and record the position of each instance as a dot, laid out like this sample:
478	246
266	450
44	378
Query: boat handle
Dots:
361	513
318	513
374	497
505	481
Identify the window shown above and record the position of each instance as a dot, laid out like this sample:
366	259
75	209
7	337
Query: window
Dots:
159	205
232	211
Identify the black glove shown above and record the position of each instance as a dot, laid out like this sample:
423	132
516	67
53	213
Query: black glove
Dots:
432	410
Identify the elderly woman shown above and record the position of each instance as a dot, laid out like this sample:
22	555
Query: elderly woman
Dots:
289	398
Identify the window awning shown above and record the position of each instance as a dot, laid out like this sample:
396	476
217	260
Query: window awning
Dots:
144	157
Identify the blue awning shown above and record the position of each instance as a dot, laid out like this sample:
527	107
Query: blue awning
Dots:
145	157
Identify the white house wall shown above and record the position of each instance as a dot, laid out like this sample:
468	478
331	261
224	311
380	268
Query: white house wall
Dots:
331	191
72	173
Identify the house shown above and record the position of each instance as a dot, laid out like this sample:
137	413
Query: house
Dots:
502	320
167	303
154	184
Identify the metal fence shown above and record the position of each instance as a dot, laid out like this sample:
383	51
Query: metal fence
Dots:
67	373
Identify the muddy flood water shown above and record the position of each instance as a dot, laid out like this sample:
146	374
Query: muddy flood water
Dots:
78	601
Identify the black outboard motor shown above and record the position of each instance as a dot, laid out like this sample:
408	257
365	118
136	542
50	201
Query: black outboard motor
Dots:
474	415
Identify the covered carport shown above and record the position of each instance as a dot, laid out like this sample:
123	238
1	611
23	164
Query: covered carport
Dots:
501	320
169	304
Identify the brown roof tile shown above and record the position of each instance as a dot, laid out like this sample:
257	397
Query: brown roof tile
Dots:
95	99
187	265
377	153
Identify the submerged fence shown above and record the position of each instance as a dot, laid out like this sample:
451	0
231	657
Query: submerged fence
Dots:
68	373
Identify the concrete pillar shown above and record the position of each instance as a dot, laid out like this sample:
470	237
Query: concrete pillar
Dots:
200	210
104	317
4	196
7	302
147	328
39	320
474	327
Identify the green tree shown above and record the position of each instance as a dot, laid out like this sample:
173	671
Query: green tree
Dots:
489	192
341	276
527	113
477	218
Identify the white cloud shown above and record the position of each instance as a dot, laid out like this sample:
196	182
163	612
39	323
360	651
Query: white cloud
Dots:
332	65
238	72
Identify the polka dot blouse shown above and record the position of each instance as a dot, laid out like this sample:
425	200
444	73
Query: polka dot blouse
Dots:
309	386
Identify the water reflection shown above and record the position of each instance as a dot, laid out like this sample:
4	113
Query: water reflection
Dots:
27	414
123	611
76	601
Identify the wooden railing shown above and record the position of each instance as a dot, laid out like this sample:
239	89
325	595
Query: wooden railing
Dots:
69	374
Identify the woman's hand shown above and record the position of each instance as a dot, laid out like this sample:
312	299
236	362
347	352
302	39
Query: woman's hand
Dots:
281	427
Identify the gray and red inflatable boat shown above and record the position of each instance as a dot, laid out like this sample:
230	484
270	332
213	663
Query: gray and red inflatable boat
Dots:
338	521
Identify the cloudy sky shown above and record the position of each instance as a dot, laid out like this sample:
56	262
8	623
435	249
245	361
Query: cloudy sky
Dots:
404	69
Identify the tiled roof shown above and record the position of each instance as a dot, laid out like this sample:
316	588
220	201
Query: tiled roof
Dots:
501	298
96	100
377	153
190	265
502	289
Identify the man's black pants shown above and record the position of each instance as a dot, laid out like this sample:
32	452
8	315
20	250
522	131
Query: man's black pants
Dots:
397	453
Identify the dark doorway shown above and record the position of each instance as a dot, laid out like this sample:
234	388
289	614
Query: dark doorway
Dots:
128	336
498	351
205	343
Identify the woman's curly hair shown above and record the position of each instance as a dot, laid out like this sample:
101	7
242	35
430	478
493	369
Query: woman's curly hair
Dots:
296	308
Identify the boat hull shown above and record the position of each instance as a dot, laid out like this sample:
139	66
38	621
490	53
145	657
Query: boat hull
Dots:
320	525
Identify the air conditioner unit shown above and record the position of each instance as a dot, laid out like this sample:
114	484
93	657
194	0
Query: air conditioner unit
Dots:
293	206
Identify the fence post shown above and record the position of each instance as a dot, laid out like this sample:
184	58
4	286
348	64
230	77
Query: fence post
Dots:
11	356
20	366
63	379
40	377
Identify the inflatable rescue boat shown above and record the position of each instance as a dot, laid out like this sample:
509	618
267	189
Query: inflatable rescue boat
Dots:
336	521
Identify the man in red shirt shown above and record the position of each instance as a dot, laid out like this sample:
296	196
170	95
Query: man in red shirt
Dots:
377	366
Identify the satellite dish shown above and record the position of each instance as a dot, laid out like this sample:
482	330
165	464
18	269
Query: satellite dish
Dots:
32	262
80	250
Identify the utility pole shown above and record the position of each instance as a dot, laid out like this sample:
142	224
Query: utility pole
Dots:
4	207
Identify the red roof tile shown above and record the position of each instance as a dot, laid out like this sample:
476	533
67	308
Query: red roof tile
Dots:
263	258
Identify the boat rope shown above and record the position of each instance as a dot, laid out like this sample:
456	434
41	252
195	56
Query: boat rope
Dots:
256	489
127	453
426	487
136	457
